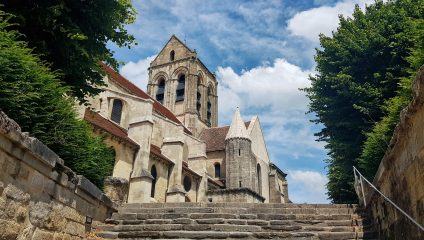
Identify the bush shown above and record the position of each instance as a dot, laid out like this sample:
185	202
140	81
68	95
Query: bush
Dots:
31	94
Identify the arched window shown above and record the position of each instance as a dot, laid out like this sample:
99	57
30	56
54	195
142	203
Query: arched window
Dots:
161	91
180	89
199	97
187	183
209	112
258	171
217	170
116	111
172	55
154	180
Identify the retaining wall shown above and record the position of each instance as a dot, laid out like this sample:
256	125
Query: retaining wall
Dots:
401	174
40	198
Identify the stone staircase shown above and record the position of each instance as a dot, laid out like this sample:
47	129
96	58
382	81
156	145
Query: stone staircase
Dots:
235	221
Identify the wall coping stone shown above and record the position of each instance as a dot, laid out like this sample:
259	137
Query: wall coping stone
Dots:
13	132
236	190
88	187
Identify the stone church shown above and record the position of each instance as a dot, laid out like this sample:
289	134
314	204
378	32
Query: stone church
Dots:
167	144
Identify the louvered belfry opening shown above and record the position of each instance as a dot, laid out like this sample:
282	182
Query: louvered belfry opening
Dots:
160	94
180	89
209	110
199	98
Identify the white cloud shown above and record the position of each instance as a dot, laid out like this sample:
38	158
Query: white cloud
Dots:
310	23
138	72
257	30
272	92
275	86
307	186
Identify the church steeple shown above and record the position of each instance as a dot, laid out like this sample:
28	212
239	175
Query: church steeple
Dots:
237	127
183	84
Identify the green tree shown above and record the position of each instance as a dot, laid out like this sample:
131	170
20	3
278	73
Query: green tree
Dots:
31	94
378	139
73	36
359	69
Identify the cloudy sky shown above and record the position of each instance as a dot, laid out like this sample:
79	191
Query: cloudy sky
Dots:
262	53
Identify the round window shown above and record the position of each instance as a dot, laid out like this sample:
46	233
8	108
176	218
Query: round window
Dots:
187	183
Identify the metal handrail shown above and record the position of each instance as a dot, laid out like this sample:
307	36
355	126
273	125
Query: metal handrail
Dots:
360	179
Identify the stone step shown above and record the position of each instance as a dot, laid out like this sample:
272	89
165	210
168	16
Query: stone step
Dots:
241	210
236	221
231	235
237	205
257	222
226	227
263	216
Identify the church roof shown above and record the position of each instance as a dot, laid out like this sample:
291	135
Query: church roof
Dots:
132	88
106	125
215	137
237	127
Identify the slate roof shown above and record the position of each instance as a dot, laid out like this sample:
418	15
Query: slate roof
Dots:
237	128
215	137
132	88
108	126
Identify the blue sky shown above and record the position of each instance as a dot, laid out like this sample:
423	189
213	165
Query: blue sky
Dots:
262	53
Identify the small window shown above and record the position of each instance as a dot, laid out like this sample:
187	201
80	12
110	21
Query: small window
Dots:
161	91
180	89
154	180
239	151
172	56
116	111
217	170
258	172
187	183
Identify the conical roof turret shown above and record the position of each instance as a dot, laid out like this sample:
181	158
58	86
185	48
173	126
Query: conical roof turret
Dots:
237	127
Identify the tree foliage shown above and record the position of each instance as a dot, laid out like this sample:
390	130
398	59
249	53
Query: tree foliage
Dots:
31	94
378	139
359	69
73	36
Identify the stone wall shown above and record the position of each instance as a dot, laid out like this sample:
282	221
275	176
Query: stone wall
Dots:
40	198
240	195
401	174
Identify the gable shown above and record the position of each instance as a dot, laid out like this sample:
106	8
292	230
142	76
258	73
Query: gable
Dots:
174	44
258	140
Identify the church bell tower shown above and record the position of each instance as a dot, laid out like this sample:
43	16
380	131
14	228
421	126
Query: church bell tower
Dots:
183	84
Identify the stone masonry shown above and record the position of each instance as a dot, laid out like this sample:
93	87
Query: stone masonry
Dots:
40	198
401	174
236	221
